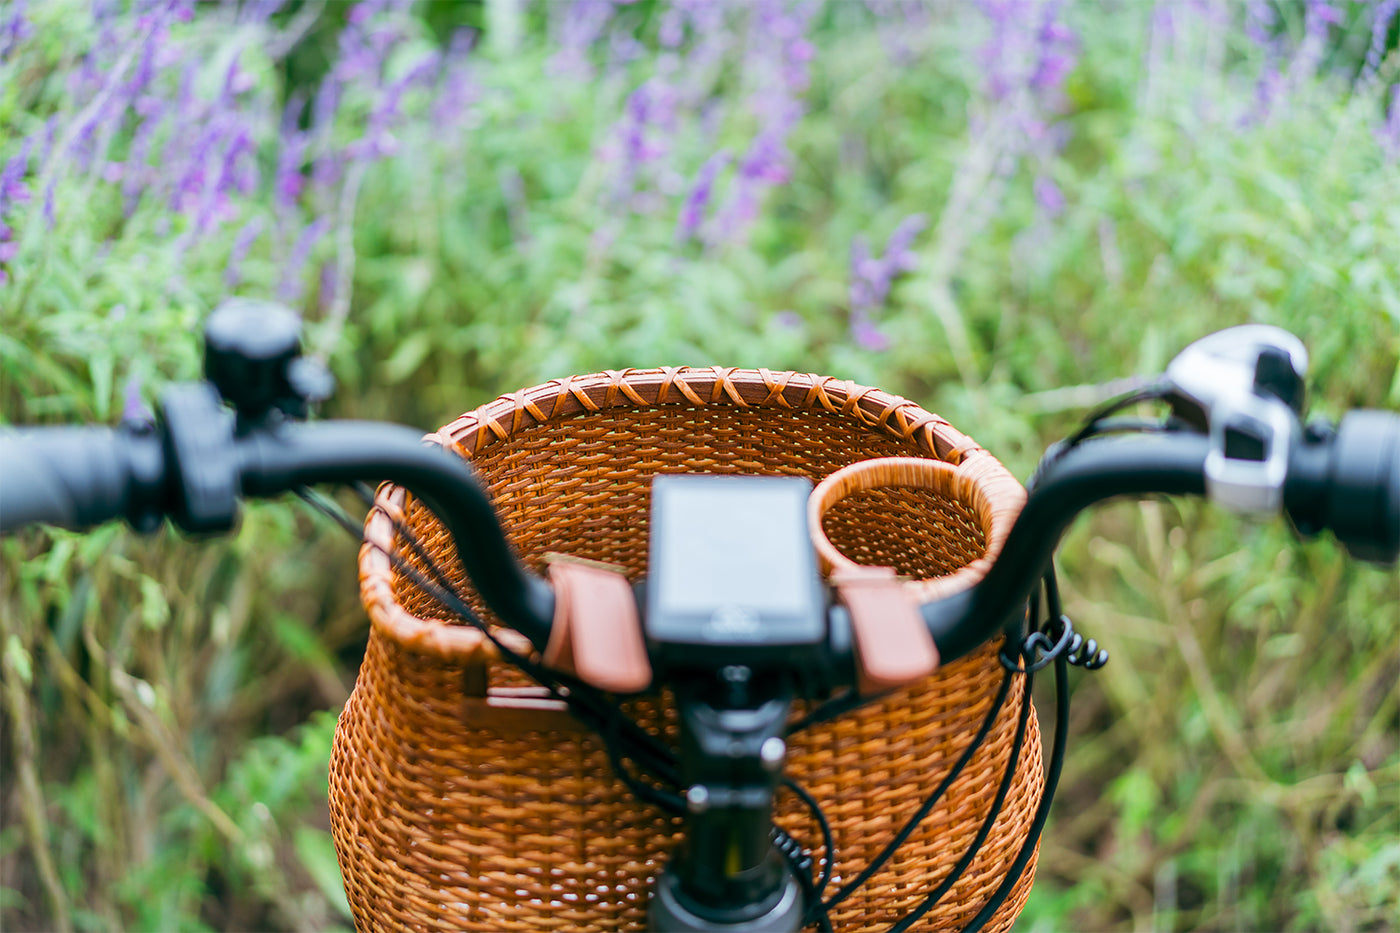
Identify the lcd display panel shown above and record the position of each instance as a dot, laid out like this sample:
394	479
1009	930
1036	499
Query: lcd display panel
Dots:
732	562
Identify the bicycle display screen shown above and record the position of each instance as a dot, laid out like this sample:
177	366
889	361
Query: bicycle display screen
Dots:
733	573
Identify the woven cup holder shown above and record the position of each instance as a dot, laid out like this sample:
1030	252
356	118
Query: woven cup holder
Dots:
463	799
866	514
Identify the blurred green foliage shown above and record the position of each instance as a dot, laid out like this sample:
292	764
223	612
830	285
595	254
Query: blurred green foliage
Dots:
1236	766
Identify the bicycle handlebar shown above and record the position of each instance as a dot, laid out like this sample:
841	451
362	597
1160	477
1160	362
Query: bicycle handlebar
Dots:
1102	469
79	477
1347	481
1234	437
295	455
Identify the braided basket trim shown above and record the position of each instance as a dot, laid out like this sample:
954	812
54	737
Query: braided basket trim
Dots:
982	483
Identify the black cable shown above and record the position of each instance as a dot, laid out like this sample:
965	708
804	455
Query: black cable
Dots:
1119	426
642	744
1148	393
1042	812
331	509
1098	423
669	802
824	827
816	910
1052	775
588	703
931	801
1023	720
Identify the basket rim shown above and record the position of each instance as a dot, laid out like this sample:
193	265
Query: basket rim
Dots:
991	491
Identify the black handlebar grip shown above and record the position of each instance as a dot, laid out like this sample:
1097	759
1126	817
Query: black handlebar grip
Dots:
79	477
1363	496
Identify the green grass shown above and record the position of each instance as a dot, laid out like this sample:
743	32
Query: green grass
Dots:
1237	764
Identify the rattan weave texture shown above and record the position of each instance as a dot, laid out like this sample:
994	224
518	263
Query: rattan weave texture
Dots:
463	800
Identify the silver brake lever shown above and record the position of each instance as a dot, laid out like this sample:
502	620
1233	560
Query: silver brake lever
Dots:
1246	383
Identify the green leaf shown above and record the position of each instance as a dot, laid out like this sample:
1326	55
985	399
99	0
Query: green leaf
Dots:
299	639
155	609
408	357
17	659
316	852
101	367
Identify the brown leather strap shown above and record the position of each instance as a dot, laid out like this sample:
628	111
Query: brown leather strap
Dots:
597	634
893	645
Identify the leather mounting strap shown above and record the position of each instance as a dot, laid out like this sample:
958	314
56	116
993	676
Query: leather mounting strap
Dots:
597	633
893	646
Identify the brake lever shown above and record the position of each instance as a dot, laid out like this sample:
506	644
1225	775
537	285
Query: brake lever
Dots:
1244	388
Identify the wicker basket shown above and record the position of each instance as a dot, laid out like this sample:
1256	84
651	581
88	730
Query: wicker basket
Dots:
463	800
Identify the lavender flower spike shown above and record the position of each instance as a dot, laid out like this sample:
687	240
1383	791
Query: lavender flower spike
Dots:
871	278
867	335
698	201
289	291
12	187
242	243
1385	11
8	250
1049	196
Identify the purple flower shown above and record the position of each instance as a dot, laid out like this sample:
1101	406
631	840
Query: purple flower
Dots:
575	29
242	243
872	276
1318	21
14	29
641	140
379	137
289	181
235	83
671	33
1049	196
867	335
777	104
458	90
1029	49
788	320
898	255
13	190
145	67
1324	13
1389	134
1259	23
697	202
134	407
294	271
1385	11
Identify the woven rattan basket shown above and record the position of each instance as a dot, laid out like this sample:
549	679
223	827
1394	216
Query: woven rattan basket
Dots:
463	800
